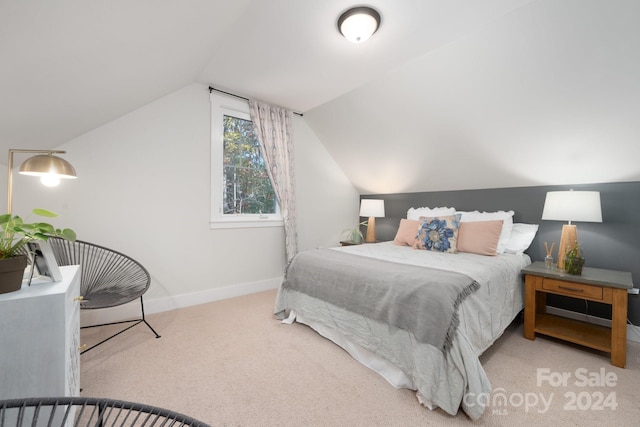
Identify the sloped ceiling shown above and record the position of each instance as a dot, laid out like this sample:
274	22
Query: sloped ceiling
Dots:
446	95
549	94
69	66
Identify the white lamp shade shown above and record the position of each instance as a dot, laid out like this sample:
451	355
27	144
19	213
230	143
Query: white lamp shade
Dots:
581	206
358	24
372	208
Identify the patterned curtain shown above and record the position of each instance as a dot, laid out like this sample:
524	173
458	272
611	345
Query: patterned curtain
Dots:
273	127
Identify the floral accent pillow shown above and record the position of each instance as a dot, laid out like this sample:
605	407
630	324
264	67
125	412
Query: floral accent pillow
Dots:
438	234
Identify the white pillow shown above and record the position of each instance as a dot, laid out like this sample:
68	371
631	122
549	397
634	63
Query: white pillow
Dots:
507	225
521	237
416	213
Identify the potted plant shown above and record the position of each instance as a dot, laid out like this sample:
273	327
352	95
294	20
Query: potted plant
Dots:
574	260
14	236
354	235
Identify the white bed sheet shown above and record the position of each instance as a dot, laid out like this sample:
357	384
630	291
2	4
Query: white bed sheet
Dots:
441	380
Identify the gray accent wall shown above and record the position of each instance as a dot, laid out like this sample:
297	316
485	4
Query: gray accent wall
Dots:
613	244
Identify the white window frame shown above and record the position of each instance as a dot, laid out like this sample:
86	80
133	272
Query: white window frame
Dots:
222	105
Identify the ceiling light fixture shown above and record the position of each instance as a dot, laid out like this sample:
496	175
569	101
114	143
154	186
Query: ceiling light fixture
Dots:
359	23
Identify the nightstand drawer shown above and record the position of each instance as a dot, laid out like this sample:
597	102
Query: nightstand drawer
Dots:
572	289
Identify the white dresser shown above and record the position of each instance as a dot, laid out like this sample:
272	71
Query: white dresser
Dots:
39	339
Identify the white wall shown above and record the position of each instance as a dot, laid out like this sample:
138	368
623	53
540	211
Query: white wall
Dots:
143	189
327	202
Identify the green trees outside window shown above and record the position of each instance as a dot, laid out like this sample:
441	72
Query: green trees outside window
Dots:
246	185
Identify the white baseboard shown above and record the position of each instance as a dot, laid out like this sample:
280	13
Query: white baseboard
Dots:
132	309
633	332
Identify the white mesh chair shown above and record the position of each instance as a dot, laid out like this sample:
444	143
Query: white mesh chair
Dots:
108	278
88	412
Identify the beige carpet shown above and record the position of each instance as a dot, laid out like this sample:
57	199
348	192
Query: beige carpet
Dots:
230	363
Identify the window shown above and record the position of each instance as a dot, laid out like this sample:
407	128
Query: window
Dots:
241	192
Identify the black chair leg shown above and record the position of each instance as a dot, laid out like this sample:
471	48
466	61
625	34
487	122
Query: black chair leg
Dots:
145	320
134	321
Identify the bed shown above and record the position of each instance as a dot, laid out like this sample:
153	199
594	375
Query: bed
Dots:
365	298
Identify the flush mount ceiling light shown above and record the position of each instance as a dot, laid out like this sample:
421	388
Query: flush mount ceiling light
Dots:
359	23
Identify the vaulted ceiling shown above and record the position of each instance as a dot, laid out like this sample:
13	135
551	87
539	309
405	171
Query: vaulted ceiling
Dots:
446	95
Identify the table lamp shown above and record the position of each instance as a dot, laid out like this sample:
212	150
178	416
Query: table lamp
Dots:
581	206
371	208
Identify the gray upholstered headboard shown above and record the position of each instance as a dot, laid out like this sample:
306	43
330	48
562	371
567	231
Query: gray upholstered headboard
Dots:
612	244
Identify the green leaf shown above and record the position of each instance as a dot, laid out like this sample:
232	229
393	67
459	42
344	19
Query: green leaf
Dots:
45	213
44	227
68	234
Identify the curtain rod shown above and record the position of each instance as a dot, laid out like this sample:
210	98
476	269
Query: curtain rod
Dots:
211	89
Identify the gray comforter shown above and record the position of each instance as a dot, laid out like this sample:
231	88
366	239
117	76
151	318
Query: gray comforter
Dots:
422	301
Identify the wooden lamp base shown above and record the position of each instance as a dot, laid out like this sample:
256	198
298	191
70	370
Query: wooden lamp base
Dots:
568	238
371	230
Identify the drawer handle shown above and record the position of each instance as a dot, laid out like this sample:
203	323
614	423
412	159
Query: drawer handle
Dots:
566	288
82	347
80	298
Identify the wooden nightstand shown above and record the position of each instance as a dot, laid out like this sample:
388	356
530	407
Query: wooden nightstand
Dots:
594	284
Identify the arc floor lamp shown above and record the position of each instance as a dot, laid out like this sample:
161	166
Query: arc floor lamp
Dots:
43	164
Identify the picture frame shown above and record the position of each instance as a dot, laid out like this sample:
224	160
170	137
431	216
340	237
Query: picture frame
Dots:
45	261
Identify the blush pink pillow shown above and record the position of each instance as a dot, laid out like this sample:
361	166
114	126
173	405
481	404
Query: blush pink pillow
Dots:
407	232
479	237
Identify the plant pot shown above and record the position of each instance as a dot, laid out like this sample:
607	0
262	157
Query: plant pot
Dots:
573	265
11	272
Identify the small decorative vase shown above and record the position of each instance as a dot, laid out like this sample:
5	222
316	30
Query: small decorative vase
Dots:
548	262
11	272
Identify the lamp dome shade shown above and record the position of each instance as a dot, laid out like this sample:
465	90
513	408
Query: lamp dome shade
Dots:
359	23
47	164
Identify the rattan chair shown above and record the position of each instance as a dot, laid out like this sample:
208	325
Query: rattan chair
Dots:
108	278
89	412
